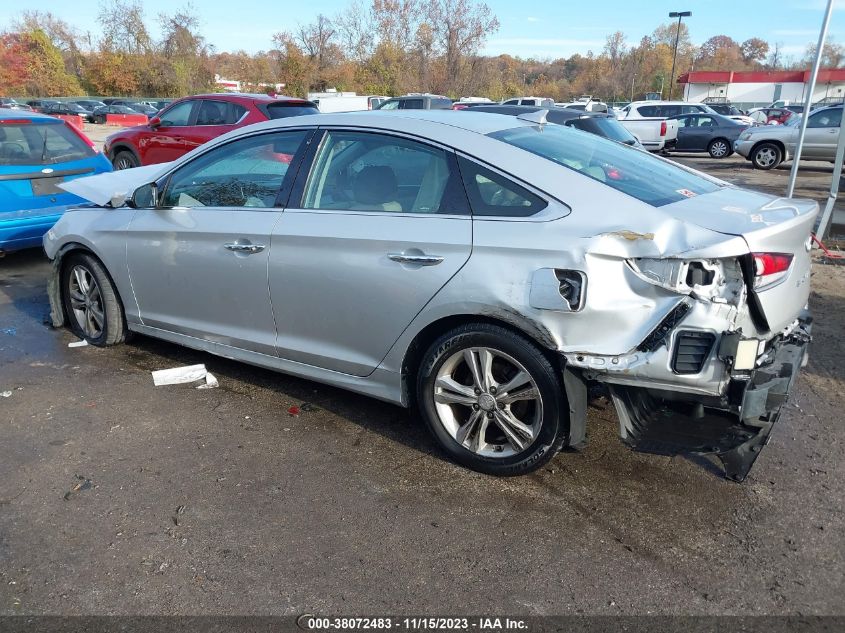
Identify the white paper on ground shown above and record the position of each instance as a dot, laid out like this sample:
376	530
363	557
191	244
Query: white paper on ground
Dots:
182	375
5	394
81	343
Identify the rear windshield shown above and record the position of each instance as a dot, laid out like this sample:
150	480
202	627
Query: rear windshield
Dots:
631	171
605	126
40	144
282	110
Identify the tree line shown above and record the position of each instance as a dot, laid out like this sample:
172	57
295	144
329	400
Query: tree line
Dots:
385	47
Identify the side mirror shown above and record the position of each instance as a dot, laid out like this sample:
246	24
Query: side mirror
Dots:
144	197
155	122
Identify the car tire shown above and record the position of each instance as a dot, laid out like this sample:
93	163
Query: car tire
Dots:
125	159
766	156
474	415
719	148
91	302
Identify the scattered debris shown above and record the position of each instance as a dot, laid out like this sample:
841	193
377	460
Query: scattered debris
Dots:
293	411
11	331
183	375
84	484
308	406
5	394
82	343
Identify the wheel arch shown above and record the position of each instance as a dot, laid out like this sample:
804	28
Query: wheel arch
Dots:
123	146
777	143
58	314
428	334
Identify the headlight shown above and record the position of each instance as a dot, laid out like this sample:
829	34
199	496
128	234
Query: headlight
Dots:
745	136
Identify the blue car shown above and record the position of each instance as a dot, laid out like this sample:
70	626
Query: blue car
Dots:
37	153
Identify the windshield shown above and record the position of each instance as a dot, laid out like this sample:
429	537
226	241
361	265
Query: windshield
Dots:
29	143
640	175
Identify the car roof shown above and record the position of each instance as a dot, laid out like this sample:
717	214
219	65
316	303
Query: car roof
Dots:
245	95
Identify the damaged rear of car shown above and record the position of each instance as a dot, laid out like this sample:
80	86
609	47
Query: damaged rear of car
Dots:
707	368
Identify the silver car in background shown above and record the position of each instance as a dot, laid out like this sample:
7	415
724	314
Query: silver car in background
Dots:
484	269
769	145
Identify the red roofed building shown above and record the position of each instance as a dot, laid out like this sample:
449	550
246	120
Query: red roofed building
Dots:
761	87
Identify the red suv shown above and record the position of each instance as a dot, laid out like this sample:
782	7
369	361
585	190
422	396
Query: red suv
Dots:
192	121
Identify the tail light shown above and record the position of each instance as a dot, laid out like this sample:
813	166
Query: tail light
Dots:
770	268
459	106
663	128
15	121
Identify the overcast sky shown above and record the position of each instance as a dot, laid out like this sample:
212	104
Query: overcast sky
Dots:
548	28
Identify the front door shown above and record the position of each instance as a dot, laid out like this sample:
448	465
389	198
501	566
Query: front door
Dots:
168	141
198	263
381	224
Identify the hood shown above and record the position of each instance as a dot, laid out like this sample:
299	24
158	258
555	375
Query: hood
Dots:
734	211
773	131
103	189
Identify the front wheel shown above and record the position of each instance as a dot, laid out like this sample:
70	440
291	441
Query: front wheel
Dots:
125	160
91	302
719	148
766	156
492	400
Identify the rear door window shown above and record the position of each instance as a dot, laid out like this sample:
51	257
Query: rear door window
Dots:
411	104
40	144
492	194
825	118
213	112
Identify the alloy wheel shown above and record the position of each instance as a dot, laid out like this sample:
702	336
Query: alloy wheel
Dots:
488	402
766	156
123	163
86	301
718	149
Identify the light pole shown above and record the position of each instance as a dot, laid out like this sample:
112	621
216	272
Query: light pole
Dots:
680	15
632	86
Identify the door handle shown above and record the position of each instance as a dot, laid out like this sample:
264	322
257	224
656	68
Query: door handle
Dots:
420	260
244	248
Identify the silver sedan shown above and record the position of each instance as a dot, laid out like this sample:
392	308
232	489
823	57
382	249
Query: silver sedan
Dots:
482	268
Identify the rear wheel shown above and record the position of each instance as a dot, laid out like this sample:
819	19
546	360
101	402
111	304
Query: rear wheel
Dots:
766	156
719	148
492	400
91	302
125	159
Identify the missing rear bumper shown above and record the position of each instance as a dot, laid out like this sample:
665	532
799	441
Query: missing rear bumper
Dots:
734	427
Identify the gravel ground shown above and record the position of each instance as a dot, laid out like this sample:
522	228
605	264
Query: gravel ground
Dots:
118	497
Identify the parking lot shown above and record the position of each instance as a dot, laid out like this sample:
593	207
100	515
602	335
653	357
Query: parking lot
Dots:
118	497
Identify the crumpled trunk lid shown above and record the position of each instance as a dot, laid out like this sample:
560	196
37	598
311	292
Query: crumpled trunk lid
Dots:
768	225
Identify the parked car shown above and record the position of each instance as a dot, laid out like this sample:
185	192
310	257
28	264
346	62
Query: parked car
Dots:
142	108
416	102
99	114
37	105
587	104
11	104
767	147
711	133
732	112
37	153
770	116
189	122
89	104
649	121
593	122
546	102
68	108
492	266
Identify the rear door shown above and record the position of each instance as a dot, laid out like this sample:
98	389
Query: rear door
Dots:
370	235
198	263
168	141
687	125
213	118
